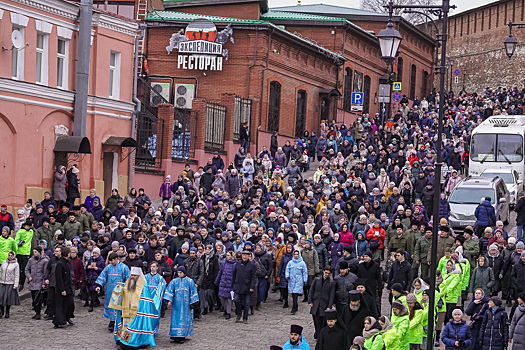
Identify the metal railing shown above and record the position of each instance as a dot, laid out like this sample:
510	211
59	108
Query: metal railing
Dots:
215	125
241	114
184	134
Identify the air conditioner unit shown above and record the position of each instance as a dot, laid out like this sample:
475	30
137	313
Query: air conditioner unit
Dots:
184	94
162	89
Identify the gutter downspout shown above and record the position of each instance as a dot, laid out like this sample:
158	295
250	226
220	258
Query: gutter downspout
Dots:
84	55
138	104
262	86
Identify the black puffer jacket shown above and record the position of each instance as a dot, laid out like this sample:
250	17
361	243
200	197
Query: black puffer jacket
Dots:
494	332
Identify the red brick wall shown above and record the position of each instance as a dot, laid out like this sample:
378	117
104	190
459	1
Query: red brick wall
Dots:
248	73
476	43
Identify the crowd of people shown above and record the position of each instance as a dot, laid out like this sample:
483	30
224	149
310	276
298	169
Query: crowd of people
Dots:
227	235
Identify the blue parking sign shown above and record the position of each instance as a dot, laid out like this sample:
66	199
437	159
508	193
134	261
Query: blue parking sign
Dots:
357	98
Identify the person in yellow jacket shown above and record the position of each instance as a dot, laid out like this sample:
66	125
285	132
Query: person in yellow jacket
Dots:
451	287
442	264
425	303
372	334
389	334
418	288
464	266
415	317
401	324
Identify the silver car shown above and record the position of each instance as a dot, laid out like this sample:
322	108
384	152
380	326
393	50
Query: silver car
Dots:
468	194
512	181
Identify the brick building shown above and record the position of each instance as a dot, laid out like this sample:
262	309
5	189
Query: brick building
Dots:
475	44
285	70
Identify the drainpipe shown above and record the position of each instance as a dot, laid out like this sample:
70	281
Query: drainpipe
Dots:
138	104
84	53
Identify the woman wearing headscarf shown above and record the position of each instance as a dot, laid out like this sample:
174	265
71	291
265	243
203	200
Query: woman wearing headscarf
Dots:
224	281
297	275
372	334
9	281
476	310
389	334
418	287
482	277
451	287
281	273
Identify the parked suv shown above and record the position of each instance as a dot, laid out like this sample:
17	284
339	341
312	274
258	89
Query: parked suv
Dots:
470	192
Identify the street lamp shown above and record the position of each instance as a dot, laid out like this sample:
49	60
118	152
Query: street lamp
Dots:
511	42
387	44
510	45
389	40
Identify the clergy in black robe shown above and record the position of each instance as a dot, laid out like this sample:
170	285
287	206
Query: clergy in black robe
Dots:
333	335
354	315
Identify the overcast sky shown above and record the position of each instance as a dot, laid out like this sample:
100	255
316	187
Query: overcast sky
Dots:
462	5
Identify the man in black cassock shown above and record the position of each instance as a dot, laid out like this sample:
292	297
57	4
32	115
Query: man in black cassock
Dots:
333	335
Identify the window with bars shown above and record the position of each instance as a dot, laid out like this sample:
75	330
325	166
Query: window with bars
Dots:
241	114
412	93
300	116
274	106
366	94
215	124
347	93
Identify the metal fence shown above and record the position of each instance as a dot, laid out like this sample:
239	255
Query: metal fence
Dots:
215	125
150	137
184	134
241	114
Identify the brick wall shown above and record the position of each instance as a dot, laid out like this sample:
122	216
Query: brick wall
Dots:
243	11
476	43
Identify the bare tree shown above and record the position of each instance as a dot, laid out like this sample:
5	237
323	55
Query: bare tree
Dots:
414	18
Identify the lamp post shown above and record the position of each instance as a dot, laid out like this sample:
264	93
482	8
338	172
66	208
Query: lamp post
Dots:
451	63
511	42
389	39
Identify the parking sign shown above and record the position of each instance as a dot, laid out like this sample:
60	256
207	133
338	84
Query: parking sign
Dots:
357	101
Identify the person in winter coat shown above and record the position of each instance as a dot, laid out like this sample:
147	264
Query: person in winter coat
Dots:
165	188
476	310
321	297
72	185
263	265
376	238
517	325
282	281
389	334
353	315
59	185
322	253
79	273
451	287
94	267
401	323
457	335
311	259
452	182
9	281
494	332
361	245
297	275
224	281
482	277
335	249
35	270
485	215
400	272
372	334
444	207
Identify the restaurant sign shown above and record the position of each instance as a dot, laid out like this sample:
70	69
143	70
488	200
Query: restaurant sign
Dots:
200	45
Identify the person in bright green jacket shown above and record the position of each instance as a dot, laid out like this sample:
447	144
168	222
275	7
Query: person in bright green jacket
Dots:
389	334
442	264
23	239
415	317
418	288
464	266
398	294
7	244
372	334
452	285
425	303
401	324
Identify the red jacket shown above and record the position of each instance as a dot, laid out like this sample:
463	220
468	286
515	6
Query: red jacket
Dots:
372	231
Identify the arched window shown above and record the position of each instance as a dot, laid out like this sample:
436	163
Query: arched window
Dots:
412	94
424	85
274	106
300	116
366	94
347	97
400	69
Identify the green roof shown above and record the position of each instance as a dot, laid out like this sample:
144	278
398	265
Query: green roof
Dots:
186	17
327	9
295	16
156	15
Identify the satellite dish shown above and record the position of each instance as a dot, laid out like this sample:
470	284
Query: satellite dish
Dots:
17	39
